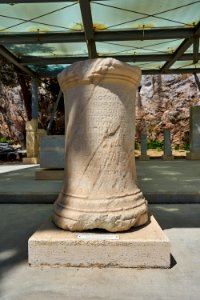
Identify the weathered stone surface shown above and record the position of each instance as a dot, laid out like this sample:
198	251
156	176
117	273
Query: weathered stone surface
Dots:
100	189
145	248
32	146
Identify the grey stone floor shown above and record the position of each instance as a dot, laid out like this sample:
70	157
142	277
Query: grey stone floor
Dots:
181	223
161	181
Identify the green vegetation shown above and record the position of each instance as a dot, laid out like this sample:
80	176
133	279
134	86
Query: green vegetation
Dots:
5	140
176	147
186	147
137	146
155	144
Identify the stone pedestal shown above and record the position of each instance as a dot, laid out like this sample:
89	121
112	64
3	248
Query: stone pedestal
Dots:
145	248
99	186
167	145
144	155
194	153
31	142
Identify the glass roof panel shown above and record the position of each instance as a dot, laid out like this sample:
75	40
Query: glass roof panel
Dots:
136	14
150	65
52	49
185	65
43	17
138	47
65	17
190	49
49	70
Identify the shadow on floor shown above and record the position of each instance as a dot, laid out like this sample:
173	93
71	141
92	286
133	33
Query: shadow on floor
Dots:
176	215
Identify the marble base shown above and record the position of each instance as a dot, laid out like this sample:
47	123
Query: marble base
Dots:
144	157
168	157
144	247
49	174
193	156
30	160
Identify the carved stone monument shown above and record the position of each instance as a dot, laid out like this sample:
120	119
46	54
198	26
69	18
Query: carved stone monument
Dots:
99	188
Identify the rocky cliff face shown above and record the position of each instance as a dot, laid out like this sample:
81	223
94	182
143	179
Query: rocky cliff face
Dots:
12	114
164	102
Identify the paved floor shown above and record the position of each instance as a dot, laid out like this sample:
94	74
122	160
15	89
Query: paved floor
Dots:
181	224
161	181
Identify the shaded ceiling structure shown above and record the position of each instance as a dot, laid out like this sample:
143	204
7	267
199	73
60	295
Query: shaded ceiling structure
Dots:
42	37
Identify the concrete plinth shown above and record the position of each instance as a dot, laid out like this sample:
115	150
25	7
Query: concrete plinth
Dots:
33	136
193	156
147	247
144	157
168	157
194	153
30	160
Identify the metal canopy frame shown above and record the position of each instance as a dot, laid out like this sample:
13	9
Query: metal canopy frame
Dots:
11	58
88	27
182	48
190	36
99	36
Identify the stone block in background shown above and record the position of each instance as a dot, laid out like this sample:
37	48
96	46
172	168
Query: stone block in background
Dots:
52	152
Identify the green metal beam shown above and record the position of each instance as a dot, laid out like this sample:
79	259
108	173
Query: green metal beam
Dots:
171	71
35	1
197	80
147	72
14	60
35	60
88	27
196	50
100	36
